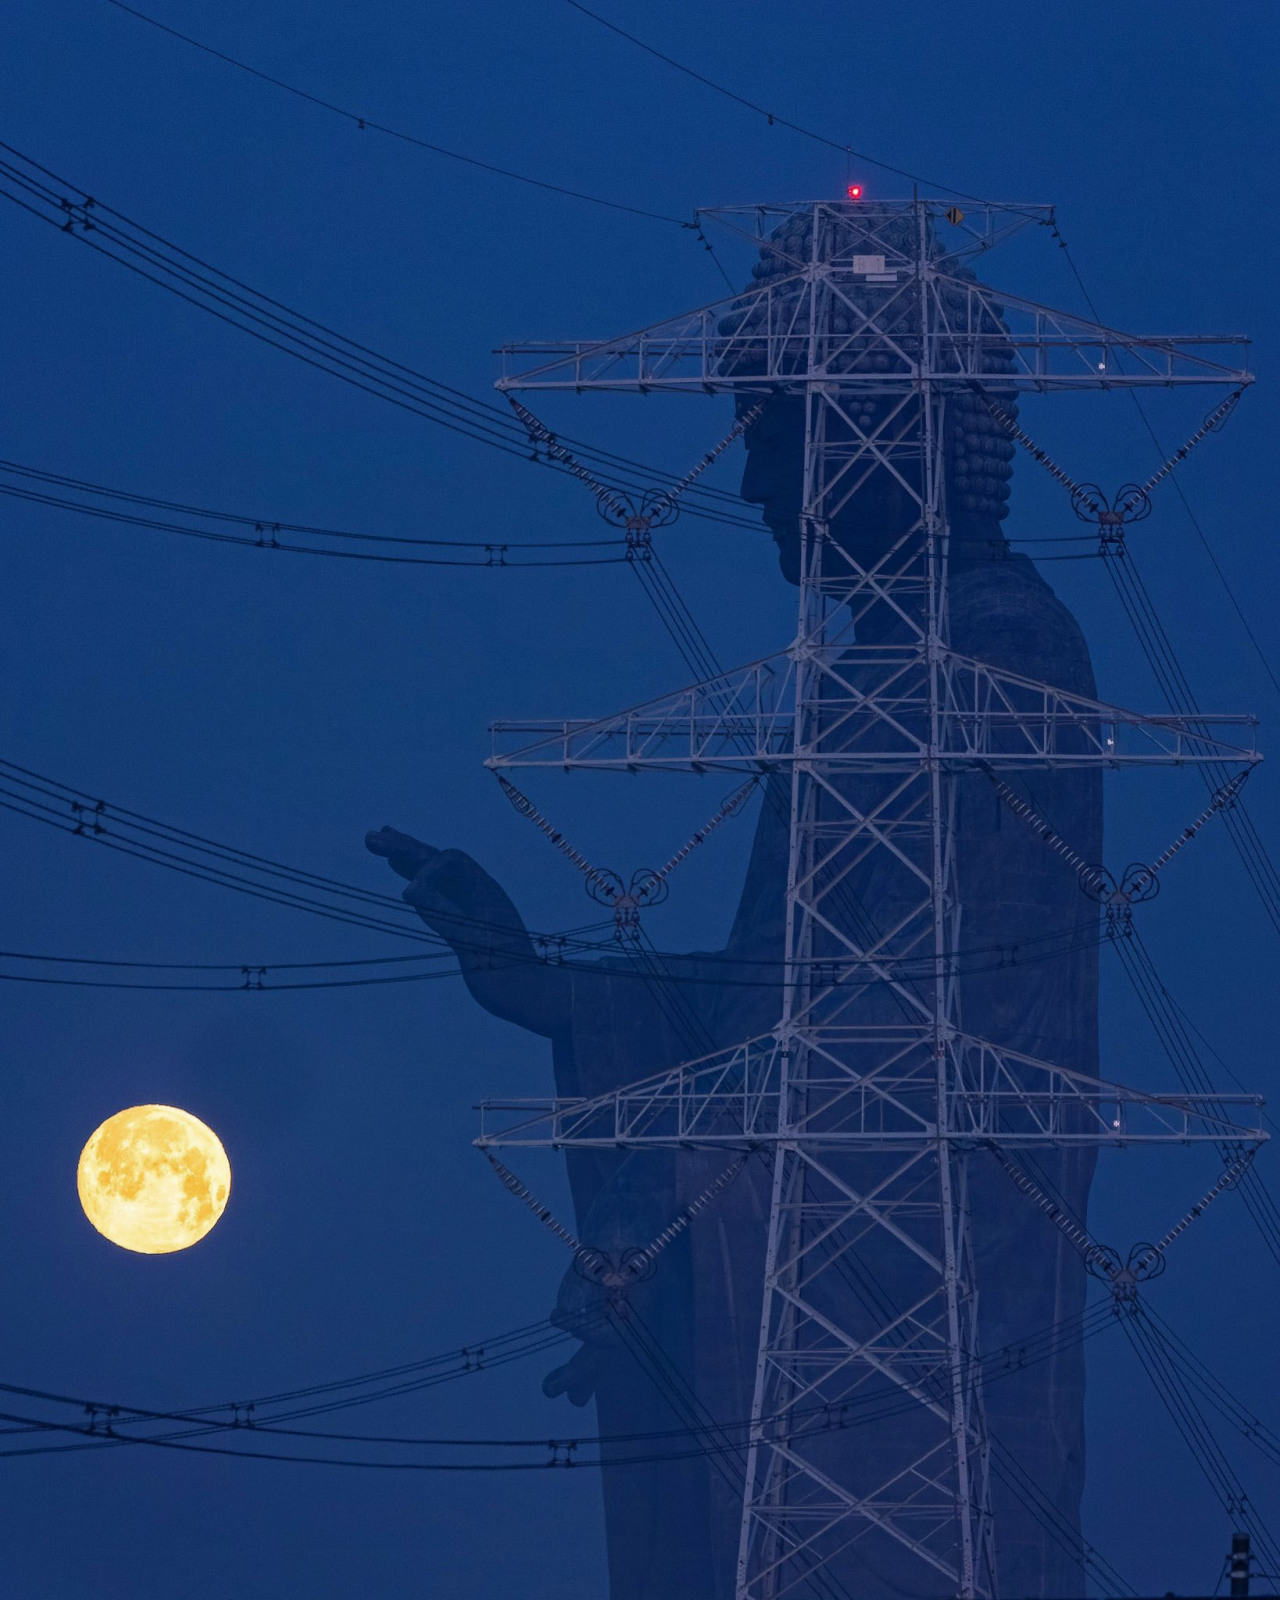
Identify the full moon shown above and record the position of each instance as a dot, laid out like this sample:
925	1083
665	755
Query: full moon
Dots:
153	1179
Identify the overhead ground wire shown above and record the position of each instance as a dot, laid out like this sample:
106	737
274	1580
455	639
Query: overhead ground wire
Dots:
772	117
371	125
364	123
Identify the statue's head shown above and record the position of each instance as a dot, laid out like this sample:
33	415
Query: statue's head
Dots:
978	450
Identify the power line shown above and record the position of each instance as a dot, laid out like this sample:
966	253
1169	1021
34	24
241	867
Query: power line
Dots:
76	813
1178	489
1200	1377
255	982
491	555
272	524
104	1419
369	124
384	1383
1156	646
159	1442
1168	1024
73	211
1006	1466
1152	637
496	557
1171	1027
364	1388
570	2
21	797
259	977
216	966
772	117
1148	1345
1213	560
1204	1040
469	1360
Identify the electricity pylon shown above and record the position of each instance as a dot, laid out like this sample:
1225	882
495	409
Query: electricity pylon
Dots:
869	1125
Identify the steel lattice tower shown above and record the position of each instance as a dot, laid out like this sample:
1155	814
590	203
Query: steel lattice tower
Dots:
870	1124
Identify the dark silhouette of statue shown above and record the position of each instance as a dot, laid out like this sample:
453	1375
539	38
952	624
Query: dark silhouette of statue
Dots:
683	1357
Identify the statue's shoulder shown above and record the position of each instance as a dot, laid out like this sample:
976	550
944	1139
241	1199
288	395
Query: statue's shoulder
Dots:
1006	613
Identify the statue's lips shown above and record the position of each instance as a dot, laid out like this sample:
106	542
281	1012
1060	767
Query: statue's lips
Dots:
784	525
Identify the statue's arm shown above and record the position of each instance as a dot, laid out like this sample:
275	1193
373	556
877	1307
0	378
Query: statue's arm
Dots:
458	900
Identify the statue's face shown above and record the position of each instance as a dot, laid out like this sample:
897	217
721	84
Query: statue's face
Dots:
875	517
773	477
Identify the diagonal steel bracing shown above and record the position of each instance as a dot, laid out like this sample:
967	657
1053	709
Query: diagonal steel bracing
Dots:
868	1096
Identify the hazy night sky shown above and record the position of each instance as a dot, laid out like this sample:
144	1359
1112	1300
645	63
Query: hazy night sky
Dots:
286	704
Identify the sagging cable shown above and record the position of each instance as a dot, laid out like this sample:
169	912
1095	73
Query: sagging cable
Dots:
615	1271
1140	881
645	887
1132	501
636	514
1144	1261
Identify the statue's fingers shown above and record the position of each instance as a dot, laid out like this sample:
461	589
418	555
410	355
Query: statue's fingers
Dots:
480	945
458	900
444	914
476	941
406	855
464	880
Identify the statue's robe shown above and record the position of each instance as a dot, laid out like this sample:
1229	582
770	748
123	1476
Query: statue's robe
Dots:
685	1354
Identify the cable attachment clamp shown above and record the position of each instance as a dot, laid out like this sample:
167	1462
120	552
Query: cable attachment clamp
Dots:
1132	501
617	1271
646	886
636	514
1140	881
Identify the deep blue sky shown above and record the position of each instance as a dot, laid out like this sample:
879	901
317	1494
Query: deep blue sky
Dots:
287	705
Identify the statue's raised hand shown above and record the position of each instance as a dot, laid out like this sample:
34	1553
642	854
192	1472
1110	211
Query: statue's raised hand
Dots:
458	900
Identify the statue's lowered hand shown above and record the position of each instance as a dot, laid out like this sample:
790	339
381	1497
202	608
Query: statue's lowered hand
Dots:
458	900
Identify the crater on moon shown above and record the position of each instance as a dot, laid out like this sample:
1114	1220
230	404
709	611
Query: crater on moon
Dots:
153	1179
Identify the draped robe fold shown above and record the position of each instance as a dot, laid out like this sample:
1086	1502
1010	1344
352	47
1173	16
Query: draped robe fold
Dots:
685	1354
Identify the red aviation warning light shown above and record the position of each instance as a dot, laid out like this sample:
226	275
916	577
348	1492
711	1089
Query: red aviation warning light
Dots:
854	191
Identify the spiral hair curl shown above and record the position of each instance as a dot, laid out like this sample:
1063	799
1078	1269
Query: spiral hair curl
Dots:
979	453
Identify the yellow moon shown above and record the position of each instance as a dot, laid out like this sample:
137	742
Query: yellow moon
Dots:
153	1179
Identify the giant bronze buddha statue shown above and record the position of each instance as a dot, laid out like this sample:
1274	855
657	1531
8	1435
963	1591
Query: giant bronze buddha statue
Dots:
684	1356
